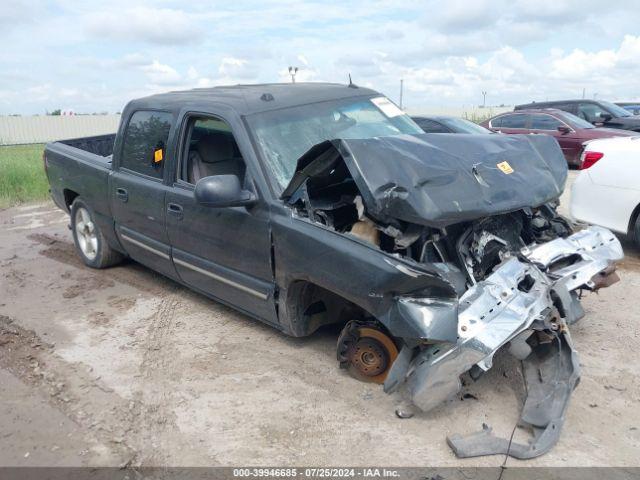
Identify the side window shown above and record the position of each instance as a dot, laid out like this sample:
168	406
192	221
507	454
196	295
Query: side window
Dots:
145	142
496	122
431	126
544	122
590	112
210	149
517	120
567	107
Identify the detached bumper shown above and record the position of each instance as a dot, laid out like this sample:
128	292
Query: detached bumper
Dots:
536	293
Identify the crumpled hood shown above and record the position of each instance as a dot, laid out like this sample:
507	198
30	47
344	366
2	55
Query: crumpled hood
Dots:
442	179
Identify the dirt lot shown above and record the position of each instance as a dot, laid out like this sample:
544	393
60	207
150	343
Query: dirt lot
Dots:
123	367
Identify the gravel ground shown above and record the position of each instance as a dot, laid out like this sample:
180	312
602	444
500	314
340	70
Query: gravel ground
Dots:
125	367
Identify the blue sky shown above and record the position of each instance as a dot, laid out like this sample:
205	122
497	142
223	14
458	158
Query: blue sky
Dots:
94	56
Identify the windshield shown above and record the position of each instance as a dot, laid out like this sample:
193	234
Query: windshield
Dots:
285	135
462	125
575	121
615	110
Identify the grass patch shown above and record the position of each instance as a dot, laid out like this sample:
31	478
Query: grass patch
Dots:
22	177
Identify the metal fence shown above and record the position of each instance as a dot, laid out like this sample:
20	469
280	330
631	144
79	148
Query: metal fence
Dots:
473	113
23	130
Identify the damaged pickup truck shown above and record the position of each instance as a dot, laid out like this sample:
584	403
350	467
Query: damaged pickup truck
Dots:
304	205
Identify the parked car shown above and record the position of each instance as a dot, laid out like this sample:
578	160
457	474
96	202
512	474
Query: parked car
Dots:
447	124
598	112
633	107
607	191
304	205
570	131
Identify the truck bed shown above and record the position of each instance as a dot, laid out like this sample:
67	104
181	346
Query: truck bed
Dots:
101	145
81	167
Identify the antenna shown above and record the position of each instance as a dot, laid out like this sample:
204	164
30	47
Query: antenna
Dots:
351	84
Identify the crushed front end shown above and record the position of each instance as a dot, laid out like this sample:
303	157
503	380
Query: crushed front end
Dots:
485	262
527	303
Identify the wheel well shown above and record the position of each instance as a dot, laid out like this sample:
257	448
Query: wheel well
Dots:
632	221
69	197
309	306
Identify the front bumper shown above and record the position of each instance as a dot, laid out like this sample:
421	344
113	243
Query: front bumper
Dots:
536	292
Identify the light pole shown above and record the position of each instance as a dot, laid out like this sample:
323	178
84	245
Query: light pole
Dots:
484	99
401	88
292	72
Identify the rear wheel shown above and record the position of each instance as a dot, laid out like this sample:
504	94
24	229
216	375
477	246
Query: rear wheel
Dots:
366	351
91	245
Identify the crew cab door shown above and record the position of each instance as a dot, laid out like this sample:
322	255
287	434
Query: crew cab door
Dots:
138	192
222	252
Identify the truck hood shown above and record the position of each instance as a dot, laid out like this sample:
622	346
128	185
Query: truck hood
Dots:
441	179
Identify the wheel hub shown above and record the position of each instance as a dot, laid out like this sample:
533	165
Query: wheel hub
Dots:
86	233
369	357
366	351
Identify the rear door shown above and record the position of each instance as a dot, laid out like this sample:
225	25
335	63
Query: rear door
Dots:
511	123
222	252
138	191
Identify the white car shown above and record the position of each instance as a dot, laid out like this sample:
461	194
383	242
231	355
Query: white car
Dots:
607	191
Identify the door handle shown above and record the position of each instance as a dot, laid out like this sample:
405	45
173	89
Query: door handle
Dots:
175	210
122	194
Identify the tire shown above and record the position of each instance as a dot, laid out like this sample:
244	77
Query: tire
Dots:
636	231
90	243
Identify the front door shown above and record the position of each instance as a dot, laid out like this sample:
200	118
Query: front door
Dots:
138	192
569	142
222	252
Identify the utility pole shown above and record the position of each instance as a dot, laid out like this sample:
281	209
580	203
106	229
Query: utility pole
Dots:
401	88
484	98
583	92
292	72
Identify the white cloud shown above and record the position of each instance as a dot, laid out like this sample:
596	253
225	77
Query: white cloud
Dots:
599	65
153	25
232	67
161	74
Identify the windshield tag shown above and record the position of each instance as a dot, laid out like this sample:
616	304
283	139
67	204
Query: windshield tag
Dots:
387	107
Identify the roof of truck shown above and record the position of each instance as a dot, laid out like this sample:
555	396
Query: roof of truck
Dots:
248	99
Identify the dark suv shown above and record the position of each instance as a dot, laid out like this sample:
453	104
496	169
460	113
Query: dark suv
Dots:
598	112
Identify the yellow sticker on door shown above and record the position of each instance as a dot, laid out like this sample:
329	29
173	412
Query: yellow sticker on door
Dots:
505	167
157	156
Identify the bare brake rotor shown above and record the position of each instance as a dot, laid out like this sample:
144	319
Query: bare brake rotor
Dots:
366	352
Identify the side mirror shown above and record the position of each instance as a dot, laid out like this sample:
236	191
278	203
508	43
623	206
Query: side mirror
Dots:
605	117
563	129
222	191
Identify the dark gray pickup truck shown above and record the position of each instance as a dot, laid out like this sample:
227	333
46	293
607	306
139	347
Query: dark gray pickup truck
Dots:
311	204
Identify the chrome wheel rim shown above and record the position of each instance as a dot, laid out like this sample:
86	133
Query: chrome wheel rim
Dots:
86	233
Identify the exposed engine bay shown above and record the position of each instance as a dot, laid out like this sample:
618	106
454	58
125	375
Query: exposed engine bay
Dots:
511	268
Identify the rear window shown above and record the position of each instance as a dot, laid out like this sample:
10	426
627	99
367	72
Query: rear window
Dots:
145	142
511	121
429	126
